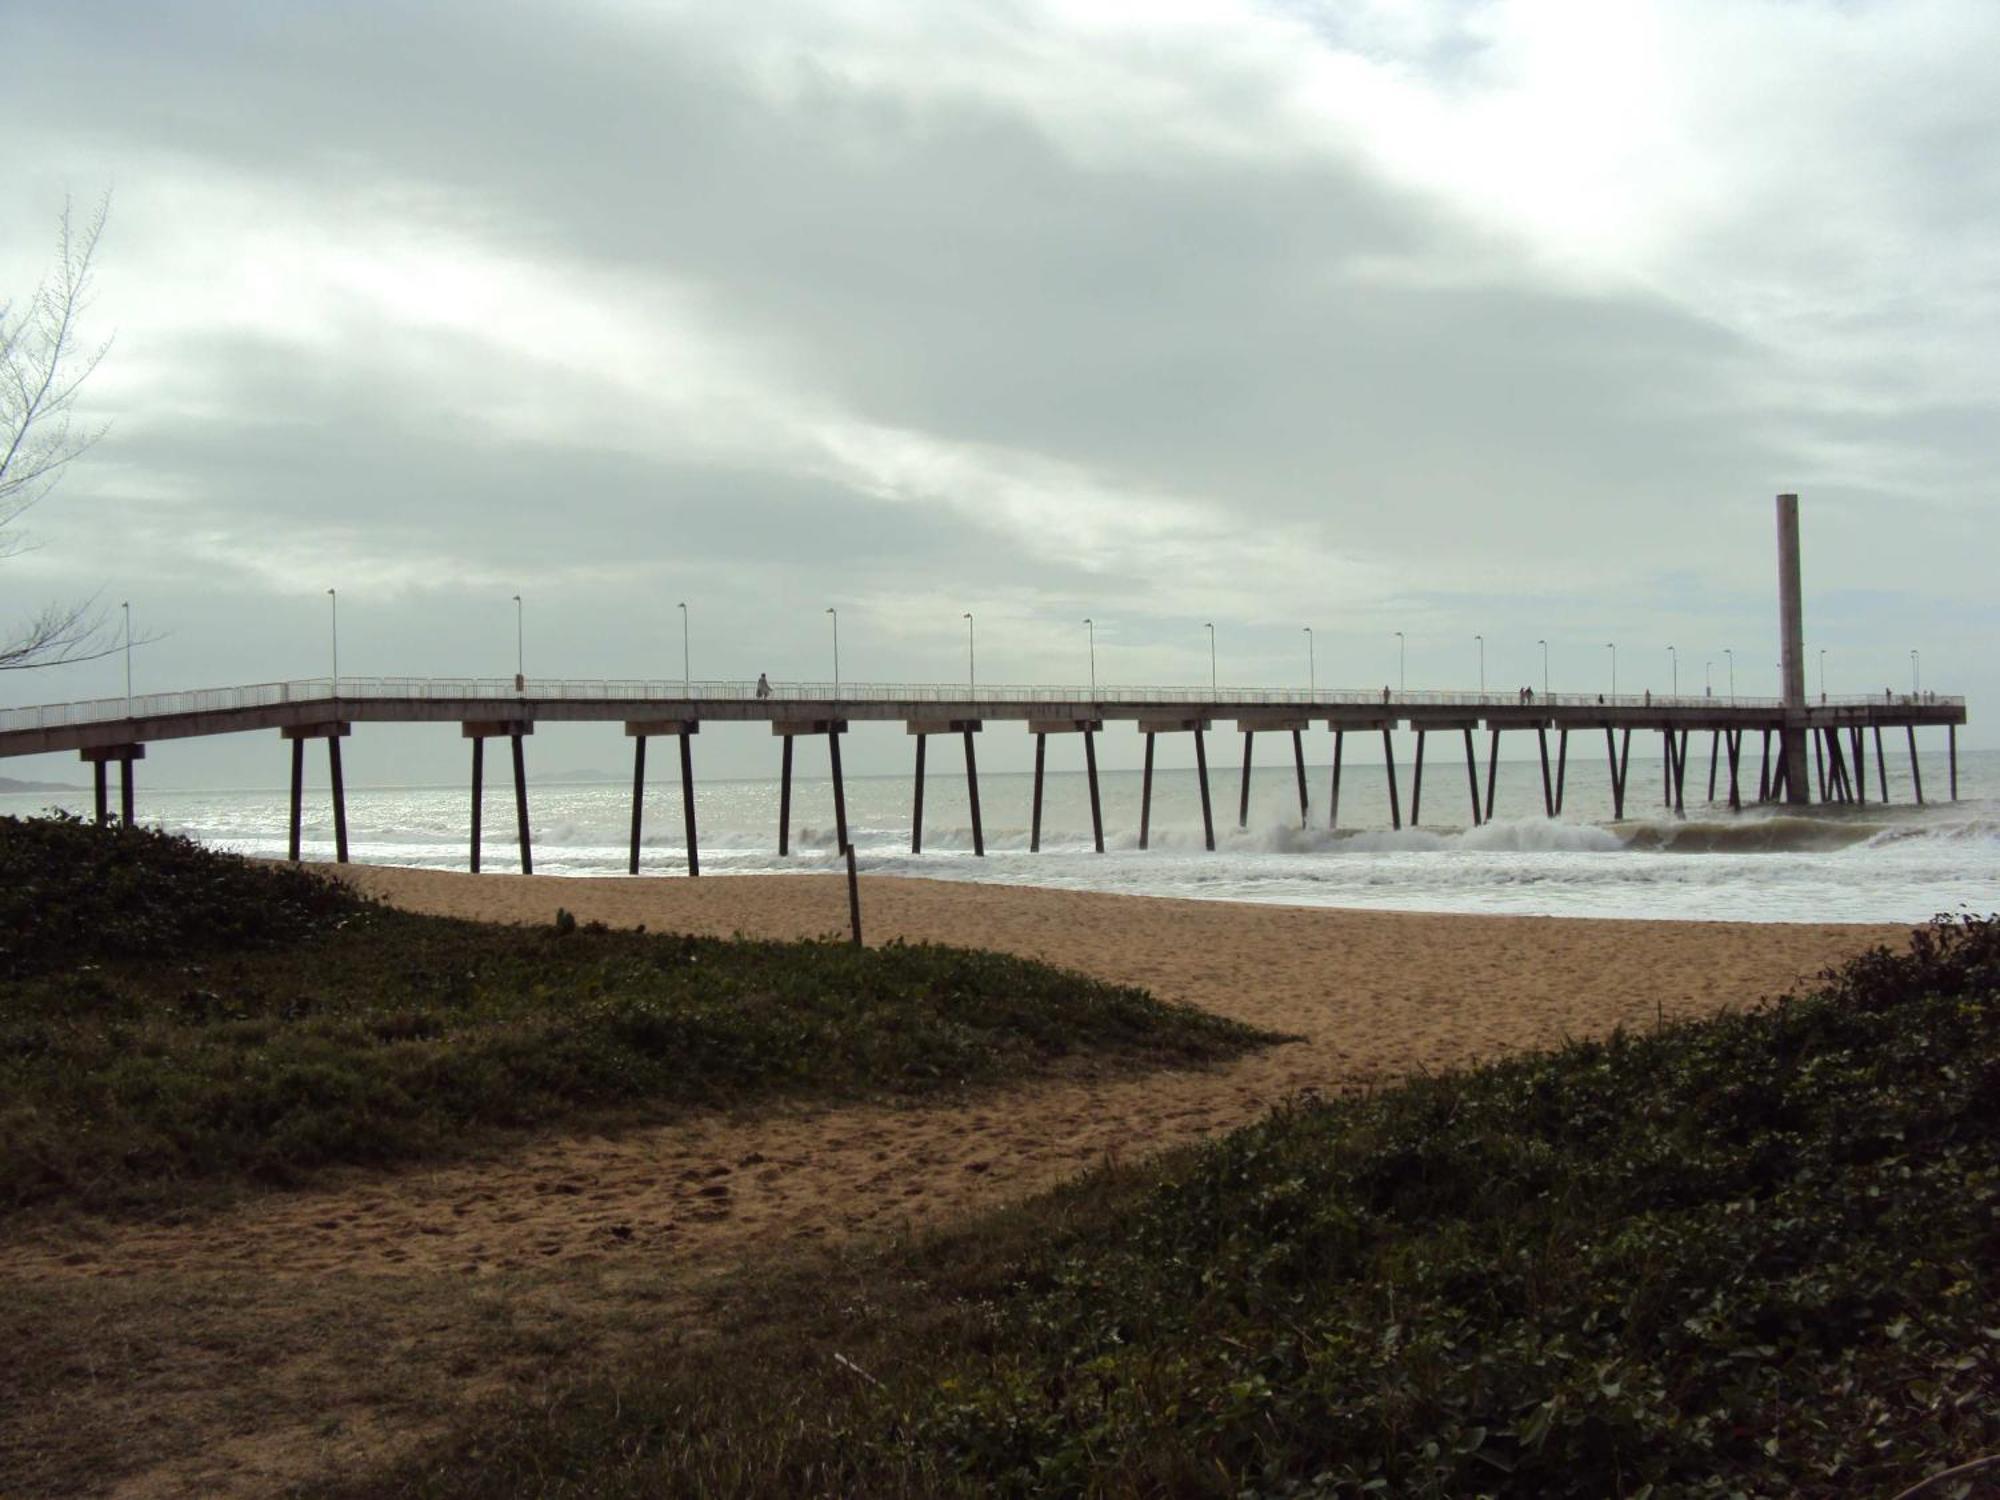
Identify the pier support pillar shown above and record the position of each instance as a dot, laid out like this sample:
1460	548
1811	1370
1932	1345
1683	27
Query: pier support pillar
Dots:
1201	772
1492	768
1819	765
1562	767
1881	766
1858	748
917	797
478	796
99	756
298	797
1680	775
1299	763
1333	795
1764	771
1951	747
1146	794
1617	771
1417	783
682	730
788	730
1916	772
332	733
514	744
1714	761
1472	774
1735	737
785	799
1389	765
1548	789
972	793
1243	797
1035	819
1096	804
99	778
638	800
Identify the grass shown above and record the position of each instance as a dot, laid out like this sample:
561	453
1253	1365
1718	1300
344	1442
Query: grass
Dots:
1752	1256
172	1019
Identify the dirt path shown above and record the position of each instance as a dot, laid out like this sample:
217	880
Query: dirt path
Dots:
577	1223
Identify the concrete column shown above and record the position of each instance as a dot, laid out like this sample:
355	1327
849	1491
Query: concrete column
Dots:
339	798
1562	767
1714	760
1548	789
298	796
1858	748
1333	794
1492	769
1299	763
125	788
687	799
638	798
1472	774
1881	766
1035	814
1201	772
1916	771
478	795
1146	794
839	787
1090	769
101	778
1617	781
1243	799
1951	745
1792	647
785	799
521	804
917	798
972	794
1389	765
1417	784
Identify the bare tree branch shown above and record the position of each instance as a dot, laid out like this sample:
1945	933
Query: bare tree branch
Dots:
43	364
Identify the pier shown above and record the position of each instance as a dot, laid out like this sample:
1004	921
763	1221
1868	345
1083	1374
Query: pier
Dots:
1838	730
1779	766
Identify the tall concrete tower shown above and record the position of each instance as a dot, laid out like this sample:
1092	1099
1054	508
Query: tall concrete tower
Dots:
1792	635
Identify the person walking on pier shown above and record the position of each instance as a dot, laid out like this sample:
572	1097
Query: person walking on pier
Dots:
763	685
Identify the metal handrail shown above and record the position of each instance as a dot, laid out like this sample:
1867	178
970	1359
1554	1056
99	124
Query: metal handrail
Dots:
496	689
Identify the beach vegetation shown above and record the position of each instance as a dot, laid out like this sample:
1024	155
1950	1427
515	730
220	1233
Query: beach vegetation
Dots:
1755	1255
172	1017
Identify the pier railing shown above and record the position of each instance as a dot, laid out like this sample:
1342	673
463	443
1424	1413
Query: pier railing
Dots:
491	689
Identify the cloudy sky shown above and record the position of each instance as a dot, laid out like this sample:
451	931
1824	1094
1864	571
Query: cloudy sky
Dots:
1454	318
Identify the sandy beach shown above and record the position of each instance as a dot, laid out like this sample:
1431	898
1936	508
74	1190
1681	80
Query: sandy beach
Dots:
572	1227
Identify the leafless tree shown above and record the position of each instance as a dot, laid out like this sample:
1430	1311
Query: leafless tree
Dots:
43	364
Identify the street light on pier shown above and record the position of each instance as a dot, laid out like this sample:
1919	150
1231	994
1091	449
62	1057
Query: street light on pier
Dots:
520	646
836	649
1730	652
1674	660
687	673
971	677
1708	678
1090	631
1209	626
1822	674
1482	664
1915	679
1312	667
1402	673
127	607
1612	647
333	628
1545	667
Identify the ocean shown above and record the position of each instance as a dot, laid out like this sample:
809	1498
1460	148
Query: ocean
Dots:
1898	863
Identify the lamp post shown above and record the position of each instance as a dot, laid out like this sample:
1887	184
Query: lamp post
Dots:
1209	626
520	643
836	649
687	673
1915	679
1545	667
1402	673
1090	629
1708	678
1612	647
1482	664
127	607
1674	660
971	677
333	634
1312	667
1822	674
1730	652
